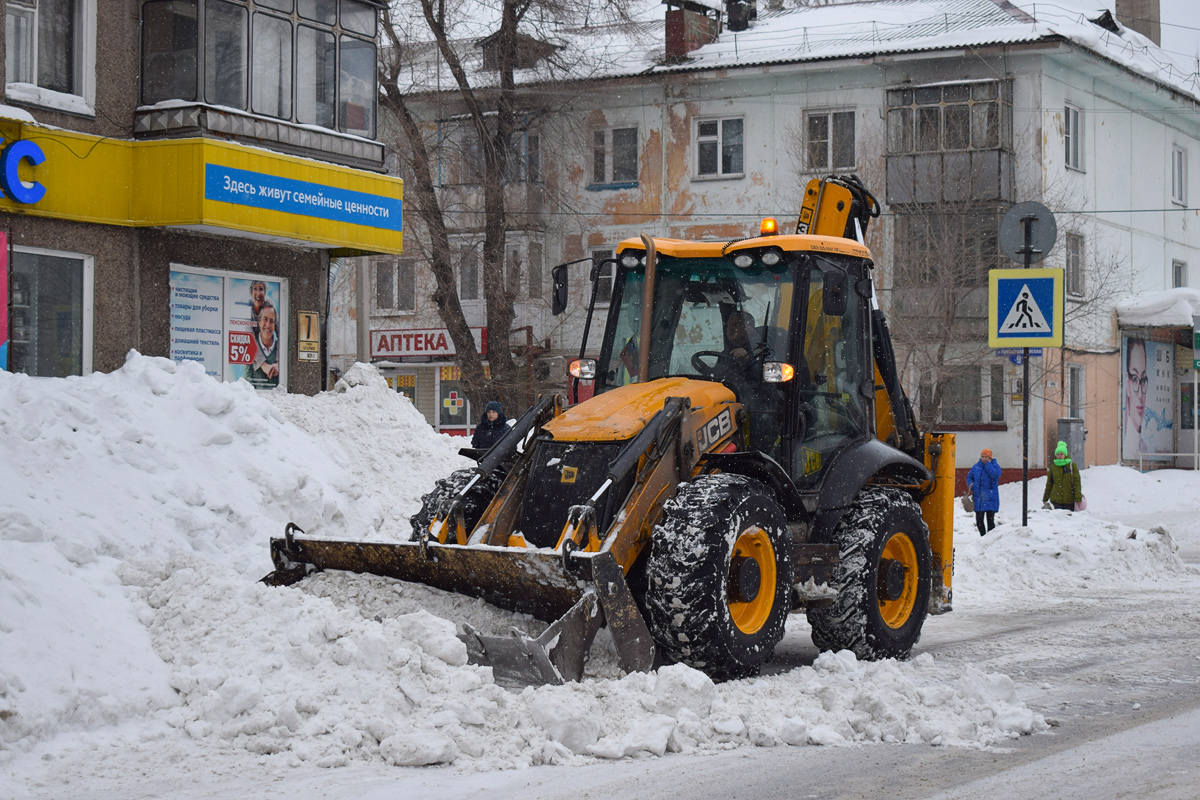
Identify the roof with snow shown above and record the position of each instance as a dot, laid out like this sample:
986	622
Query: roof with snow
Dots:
1173	308
842	30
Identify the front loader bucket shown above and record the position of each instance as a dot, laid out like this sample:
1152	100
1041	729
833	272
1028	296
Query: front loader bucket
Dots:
577	596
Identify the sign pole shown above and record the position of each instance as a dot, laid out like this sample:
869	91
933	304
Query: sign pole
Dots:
1027	251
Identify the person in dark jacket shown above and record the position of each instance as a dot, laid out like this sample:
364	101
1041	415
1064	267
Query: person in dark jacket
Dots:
492	425
984	482
1063	485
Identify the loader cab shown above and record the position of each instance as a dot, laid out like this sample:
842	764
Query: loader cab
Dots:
724	313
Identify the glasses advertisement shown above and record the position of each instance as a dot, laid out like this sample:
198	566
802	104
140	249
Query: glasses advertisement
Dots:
232	323
1148	418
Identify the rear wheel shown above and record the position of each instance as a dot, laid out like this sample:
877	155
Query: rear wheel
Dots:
474	504
719	576
884	577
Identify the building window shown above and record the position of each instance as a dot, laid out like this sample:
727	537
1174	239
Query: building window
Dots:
537	267
1076	390
950	117
996	394
1179	176
939	246
1075	267
395	285
312	64
604	281
830	140
615	156
1179	276
468	274
1072	138
525	158
50	313
50	44
965	399
720	147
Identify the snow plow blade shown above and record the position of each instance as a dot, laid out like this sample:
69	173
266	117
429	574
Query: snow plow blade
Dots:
577	595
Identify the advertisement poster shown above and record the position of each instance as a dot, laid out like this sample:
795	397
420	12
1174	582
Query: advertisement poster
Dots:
255	333
197	320
1149	389
232	323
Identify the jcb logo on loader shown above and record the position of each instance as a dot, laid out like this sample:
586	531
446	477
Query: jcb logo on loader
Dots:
713	430
569	474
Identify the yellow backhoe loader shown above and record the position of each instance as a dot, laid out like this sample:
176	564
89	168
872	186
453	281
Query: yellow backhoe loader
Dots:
748	452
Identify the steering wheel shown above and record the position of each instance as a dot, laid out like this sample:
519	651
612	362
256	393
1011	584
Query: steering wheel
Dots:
722	363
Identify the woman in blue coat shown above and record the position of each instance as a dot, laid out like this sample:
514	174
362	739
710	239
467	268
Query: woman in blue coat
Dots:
984	482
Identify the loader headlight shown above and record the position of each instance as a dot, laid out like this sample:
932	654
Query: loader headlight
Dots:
743	260
772	257
630	260
777	372
583	368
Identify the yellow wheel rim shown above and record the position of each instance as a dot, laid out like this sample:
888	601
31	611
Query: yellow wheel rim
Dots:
751	615
896	612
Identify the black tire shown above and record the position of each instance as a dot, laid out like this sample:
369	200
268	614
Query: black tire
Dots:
883	579
474	504
719	532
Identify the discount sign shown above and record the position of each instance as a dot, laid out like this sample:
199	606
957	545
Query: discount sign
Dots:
241	347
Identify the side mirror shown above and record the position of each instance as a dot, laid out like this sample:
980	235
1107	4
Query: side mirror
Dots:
834	296
558	303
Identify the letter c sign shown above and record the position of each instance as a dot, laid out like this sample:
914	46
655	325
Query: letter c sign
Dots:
11	182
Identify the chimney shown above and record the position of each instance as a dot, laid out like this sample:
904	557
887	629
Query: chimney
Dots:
1141	16
689	25
739	13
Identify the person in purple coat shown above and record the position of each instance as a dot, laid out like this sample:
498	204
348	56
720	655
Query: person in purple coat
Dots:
984	482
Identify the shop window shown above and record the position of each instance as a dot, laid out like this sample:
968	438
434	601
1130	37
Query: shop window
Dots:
50	44
395	285
830	140
720	147
454	410
1073	274
234	324
604	281
615	157
1072	138
50	313
249	49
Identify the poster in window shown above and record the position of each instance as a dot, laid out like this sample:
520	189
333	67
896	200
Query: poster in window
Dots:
255	327
197	326
233	324
1148	413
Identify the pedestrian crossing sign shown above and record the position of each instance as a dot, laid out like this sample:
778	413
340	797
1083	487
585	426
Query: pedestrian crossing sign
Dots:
1025	307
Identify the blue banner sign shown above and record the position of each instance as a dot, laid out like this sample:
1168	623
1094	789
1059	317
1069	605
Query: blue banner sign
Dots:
245	188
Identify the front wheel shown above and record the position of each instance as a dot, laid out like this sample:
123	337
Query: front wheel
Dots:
719	576
883	578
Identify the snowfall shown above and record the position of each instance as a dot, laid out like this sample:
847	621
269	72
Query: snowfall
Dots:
135	519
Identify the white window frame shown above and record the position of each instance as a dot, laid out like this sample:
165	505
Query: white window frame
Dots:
392	264
1179	273
608	179
719	141
828	165
1179	176
459	254
1076	379
1073	137
89	296
1074	267
83	101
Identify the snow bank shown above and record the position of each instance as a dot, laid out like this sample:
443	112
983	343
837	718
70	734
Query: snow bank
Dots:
134	526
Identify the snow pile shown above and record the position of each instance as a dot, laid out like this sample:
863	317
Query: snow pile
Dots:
1063	551
1173	308
135	523
151	461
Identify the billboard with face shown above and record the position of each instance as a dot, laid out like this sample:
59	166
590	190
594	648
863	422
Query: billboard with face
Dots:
1147	429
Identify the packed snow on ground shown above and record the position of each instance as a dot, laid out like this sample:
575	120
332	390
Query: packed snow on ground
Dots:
134	634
